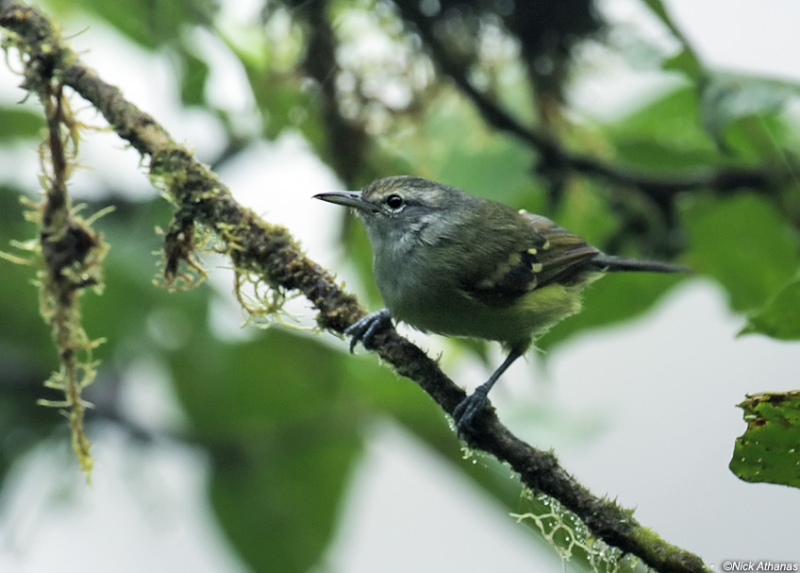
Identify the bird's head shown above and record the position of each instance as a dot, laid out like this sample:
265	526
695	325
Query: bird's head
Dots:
395	206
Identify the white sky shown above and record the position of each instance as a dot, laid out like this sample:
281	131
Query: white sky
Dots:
656	396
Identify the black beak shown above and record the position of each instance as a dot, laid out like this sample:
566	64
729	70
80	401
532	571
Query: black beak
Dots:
348	199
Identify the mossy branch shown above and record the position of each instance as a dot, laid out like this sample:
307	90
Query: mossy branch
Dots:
73	254
69	251
203	205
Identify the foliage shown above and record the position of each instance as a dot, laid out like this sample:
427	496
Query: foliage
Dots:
767	452
703	172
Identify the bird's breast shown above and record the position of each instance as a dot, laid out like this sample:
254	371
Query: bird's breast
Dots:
432	300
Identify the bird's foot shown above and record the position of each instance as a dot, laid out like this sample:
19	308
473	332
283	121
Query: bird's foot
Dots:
465	412
365	329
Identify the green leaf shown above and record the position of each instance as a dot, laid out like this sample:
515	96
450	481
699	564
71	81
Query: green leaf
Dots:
280	378
726	98
283	433
686	60
780	316
658	8
743	243
759	140
665	157
19	123
249	43
279	506
585	211
455	147
149	24
285	104
193	79
665	135
23	331
612	300
769	451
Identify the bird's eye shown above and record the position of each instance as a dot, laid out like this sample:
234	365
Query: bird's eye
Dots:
394	202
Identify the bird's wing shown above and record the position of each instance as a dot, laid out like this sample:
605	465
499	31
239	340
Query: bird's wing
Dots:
549	254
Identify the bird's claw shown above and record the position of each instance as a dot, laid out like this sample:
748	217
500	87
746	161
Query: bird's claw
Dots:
365	329
465	412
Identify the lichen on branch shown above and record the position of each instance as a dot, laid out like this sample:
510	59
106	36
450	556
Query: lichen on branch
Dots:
67	250
72	254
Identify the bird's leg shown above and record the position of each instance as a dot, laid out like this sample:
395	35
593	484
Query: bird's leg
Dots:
363	330
472	404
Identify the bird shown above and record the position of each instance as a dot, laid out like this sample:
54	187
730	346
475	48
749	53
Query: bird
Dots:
451	263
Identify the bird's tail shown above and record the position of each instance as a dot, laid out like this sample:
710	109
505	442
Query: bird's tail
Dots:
610	263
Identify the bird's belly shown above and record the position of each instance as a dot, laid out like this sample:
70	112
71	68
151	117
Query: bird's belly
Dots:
434	302
514	325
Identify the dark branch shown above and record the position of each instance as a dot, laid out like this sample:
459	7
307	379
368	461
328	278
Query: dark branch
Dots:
554	158
346	140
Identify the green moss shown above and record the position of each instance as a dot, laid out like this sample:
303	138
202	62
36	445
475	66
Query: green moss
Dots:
68	251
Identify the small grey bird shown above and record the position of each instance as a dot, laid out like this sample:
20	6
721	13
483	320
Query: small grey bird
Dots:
454	264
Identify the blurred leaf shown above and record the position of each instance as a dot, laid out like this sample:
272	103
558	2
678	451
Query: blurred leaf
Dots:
283	436
769	451
286	98
277	100
586	212
725	98
284	104
657	6
23	423
193	79
380	390
279	507
149	24
780	316
743	243
482	163
686	61
19	123
22	328
664	156
26	361
249	44
612	300
277	379
455	147
664	134
758	140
